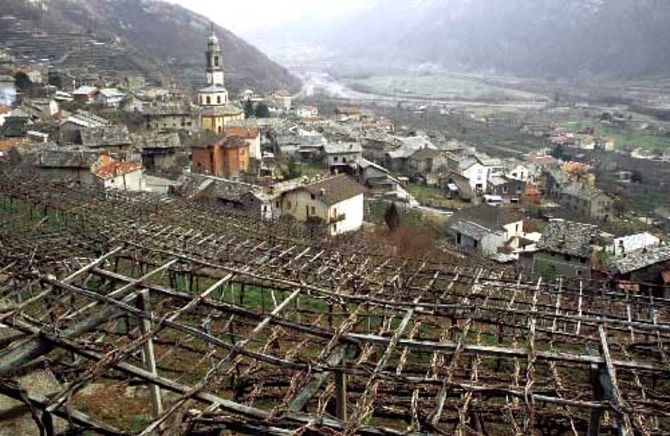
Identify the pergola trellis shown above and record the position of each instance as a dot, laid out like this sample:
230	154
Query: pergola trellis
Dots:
227	323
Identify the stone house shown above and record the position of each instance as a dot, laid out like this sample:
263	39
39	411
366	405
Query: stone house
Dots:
85	94
71	128
158	150
374	176
511	190
646	270
426	161
110	97
485	229
565	249
66	163
456	186
578	196
339	156
113	139
170	117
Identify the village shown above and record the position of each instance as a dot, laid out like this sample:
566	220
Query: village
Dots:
192	258
274	156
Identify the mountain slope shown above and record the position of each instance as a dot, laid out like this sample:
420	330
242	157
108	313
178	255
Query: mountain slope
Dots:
622	38
156	38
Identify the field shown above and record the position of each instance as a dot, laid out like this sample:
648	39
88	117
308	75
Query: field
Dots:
440	87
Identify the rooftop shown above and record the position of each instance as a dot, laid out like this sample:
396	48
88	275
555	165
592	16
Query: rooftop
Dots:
106	136
87	119
640	259
85	90
471	229
491	217
334	190
342	147
242	132
107	168
568	237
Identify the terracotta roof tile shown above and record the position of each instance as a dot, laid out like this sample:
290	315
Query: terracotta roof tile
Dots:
108	168
242	132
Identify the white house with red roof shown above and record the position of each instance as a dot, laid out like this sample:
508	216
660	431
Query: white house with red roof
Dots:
113	174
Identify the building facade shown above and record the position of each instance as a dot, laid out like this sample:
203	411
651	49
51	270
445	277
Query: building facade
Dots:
216	109
222	158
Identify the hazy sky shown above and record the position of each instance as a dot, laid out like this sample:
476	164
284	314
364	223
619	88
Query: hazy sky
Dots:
249	16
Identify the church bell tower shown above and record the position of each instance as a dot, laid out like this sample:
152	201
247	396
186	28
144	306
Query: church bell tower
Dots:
214	60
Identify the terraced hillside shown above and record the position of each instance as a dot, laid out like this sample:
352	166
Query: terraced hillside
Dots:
146	36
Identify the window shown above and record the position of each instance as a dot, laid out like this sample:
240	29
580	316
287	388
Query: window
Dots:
216	61
209	100
517	227
313	197
567	257
288	204
218	99
476	244
313	210
459	238
277	204
335	159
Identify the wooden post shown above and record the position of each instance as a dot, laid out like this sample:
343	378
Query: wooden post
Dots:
341	394
148	353
596	414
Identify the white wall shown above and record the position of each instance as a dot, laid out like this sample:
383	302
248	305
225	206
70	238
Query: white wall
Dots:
513	230
255	148
477	174
133	181
300	205
354	210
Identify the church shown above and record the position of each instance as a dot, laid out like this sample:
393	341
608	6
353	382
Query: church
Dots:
215	108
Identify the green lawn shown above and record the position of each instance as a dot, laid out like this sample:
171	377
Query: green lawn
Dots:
434	197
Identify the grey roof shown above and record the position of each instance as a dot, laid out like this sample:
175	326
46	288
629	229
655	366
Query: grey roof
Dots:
583	191
335	189
66	158
107	136
112	92
364	163
342	147
636	260
490	217
166	110
87	119
425	153
409	145
156	140
568	237
222	110
472	229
